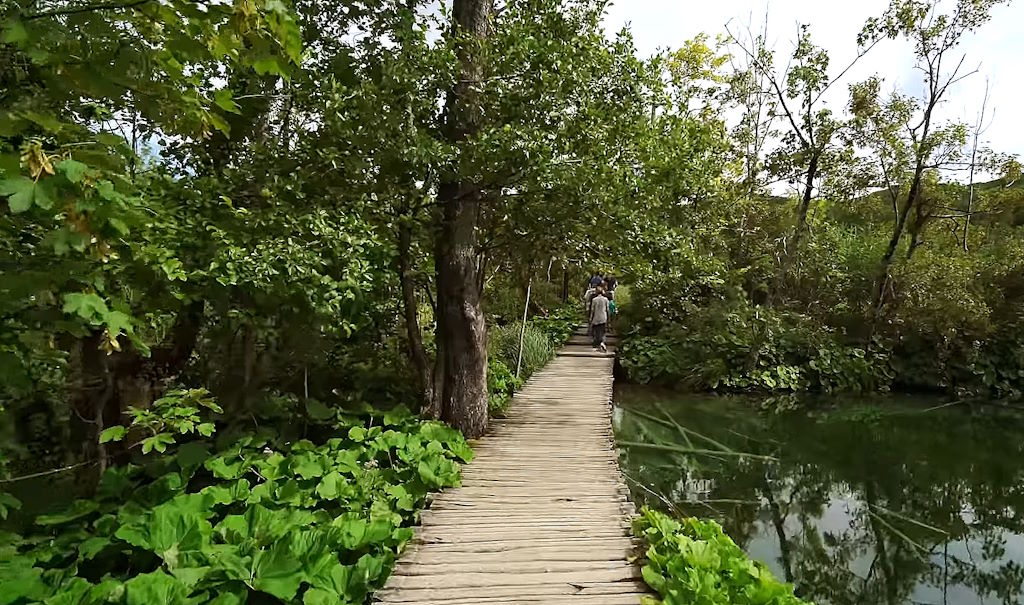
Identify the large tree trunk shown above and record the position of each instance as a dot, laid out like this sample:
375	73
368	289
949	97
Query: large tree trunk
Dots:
410	307
462	333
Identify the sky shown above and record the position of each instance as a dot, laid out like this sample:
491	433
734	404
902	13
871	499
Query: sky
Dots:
997	49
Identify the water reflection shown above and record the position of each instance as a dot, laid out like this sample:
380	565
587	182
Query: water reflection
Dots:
882	503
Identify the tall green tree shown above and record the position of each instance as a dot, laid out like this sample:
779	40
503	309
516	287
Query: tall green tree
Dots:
935	35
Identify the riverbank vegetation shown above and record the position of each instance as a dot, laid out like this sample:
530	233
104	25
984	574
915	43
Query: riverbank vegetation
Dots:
716	570
891	269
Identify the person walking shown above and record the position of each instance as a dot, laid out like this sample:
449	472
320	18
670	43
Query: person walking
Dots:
587	299
599	312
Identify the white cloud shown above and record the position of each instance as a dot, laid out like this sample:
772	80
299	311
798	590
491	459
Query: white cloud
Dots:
998	47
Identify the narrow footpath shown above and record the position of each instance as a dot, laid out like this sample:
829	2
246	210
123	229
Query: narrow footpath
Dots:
542	515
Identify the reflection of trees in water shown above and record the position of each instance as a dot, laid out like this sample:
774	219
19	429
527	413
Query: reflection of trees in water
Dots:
931	499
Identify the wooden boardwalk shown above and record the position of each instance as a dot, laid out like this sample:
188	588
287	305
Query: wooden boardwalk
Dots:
542	515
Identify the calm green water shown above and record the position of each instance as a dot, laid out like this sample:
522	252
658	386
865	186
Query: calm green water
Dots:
876	501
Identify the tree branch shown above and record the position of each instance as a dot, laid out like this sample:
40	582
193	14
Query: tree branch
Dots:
88	8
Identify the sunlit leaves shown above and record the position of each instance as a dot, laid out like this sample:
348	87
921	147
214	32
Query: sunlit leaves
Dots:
114	433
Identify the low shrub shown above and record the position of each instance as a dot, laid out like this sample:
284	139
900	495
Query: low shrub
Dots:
501	384
503	345
693	561
311	521
559	324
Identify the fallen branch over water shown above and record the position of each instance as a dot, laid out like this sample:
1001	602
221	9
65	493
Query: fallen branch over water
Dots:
687	450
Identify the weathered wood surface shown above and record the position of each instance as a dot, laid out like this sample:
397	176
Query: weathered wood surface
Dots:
542	515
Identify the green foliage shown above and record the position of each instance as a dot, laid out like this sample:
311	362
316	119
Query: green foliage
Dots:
558	324
176	413
501	384
737	347
537	348
298	520
693	562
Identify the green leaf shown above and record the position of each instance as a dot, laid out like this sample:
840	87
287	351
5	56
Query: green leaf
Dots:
114	433
21	582
268	65
276	571
20	191
190	576
73	170
226	467
155	587
192	454
319	596
237	596
223	100
120	226
92	547
158	442
261	525
319	411
8	502
44	194
332	485
77	510
171	531
13	32
236	492
308	465
10	163
48	121
206	429
88	306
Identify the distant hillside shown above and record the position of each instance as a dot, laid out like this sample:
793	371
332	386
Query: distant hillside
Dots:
876	207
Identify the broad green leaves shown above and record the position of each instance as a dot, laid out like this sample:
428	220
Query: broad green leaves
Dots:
296	520
693	561
155	587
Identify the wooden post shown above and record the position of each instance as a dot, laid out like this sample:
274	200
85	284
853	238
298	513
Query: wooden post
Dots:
522	329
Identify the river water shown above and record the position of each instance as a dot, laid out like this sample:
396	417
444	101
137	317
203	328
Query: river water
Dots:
861	501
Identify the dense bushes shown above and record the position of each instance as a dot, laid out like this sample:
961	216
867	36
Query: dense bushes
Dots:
315	520
740	347
693	561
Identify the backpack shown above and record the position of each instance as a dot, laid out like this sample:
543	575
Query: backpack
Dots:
611	307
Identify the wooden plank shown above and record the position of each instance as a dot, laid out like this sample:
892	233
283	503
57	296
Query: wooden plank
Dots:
538	592
542	515
489	580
